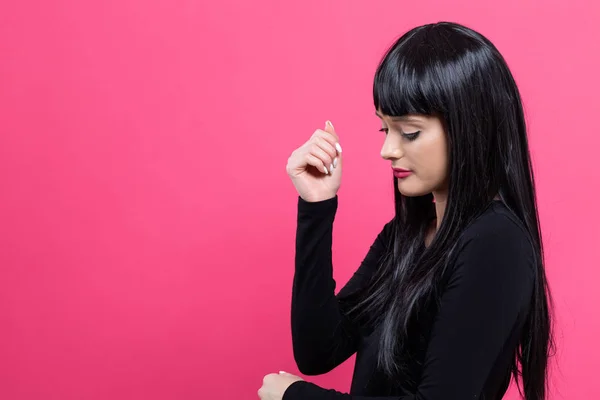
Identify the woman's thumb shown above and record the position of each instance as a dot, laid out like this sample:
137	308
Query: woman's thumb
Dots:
329	127
338	160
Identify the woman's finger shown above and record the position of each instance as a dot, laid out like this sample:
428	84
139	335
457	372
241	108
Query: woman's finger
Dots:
326	146
331	138
318	152
316	162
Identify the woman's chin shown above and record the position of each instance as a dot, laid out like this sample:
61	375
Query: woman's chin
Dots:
410	190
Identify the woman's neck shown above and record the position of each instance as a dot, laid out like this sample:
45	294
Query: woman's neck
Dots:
440	207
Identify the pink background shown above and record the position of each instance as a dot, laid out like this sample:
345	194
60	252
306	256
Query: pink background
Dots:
146	220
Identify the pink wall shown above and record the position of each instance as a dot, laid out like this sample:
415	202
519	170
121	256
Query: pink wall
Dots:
146	220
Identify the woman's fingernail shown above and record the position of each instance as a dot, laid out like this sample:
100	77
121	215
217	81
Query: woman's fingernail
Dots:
325	168
331	168
335	162
282	372
330	124
338	147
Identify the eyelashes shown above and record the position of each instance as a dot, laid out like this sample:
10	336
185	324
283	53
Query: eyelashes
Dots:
409	136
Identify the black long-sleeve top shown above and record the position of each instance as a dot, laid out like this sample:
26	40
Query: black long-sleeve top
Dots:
471	337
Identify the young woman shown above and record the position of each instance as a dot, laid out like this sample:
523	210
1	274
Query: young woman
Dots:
451	300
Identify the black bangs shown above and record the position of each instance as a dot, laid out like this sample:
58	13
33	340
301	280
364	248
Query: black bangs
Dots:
408	79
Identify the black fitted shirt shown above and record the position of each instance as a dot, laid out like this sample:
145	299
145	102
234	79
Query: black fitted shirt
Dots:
471	336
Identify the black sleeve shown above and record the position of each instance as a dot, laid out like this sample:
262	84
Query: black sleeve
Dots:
322	336
490	287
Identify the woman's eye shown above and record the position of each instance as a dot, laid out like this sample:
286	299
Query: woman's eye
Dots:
411	136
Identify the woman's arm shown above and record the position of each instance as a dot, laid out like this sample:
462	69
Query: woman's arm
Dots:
322	336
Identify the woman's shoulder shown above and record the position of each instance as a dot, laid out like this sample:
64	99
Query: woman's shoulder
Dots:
496	249
499	222
497	233
498	237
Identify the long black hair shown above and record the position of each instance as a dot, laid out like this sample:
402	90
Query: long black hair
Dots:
451	71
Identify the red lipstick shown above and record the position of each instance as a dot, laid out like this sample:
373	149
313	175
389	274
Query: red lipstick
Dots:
401	173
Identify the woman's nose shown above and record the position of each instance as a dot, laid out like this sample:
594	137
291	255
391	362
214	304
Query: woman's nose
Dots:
391	150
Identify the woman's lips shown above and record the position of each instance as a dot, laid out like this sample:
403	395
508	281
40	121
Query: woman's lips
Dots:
401	173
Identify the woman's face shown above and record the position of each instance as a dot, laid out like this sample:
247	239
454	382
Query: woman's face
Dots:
416	144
